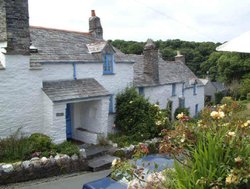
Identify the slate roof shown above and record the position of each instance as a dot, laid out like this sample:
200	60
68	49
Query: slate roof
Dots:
65	90
219	86
169	72
55	45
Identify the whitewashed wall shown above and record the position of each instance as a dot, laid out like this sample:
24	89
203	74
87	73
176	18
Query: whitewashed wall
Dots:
24	105
20	97
163	94
191	100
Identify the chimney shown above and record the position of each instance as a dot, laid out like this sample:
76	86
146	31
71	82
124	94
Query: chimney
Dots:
179	57
95	27
14	26
150	60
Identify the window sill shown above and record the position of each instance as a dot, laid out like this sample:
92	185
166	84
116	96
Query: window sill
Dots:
108	73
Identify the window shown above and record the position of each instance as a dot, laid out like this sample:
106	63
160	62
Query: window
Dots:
111	104
196	110
141	91
173	89
108	64
182	102
195	89
183	88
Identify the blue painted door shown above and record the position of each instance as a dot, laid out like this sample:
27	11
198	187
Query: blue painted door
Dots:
68	122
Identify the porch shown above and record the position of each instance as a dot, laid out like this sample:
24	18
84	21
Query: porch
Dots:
75	109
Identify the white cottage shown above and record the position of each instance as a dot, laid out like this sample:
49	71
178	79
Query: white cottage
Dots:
63	83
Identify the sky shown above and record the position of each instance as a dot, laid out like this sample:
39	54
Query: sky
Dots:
138	20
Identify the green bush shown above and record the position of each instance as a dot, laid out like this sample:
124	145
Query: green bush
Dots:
227	100
14	149
181	110
120	153
122	140
248	96
137	118
40	142
67	148
218	97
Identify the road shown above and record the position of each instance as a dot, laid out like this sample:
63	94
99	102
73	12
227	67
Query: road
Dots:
72	181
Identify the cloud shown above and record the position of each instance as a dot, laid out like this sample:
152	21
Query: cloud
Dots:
196	20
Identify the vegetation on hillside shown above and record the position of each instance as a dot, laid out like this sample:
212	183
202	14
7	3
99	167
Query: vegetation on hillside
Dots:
202	58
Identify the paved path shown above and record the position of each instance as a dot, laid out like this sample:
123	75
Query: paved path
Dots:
72	181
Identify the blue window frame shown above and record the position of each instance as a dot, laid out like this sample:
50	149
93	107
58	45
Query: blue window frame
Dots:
173	89
195	89
183	88
141	91
182	102
74	71
108	64
196	110
111	104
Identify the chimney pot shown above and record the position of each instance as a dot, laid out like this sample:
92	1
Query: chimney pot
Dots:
93	13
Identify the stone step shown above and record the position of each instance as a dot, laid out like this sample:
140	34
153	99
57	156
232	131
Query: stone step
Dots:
101	162
93	151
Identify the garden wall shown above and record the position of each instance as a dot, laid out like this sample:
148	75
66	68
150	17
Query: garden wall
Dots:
41	167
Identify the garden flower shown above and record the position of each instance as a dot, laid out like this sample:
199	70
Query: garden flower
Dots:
217	115
231	134
238	159
179	116
247	123
134	184
222	107
183	138
158	122
115	162
232	179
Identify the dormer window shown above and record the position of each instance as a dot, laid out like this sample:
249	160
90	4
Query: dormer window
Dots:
108	64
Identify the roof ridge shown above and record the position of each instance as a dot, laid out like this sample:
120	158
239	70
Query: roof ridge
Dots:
58	29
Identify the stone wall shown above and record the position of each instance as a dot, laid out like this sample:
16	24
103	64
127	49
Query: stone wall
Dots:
150	60
41	167
14	26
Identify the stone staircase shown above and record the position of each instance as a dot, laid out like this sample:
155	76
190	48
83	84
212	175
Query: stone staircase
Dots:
97	156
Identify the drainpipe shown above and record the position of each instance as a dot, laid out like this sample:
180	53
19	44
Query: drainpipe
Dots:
74	71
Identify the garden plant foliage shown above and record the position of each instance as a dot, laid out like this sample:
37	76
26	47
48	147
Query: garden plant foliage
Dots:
216	149
137	117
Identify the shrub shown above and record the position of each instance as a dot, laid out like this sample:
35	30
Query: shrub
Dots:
40	142
248	96
218	97
136	117
120	153
14	149
181	110
216	149
68	148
